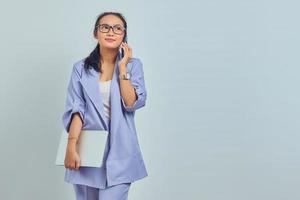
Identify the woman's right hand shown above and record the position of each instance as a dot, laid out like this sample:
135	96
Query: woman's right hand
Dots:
72	159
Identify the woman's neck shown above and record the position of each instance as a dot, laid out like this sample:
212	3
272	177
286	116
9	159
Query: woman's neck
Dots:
108	56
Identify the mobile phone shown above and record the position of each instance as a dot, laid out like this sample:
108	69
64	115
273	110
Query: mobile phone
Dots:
122	50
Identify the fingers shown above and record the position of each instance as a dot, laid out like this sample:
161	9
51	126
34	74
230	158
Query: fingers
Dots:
73	166
127	48
69	166
77	165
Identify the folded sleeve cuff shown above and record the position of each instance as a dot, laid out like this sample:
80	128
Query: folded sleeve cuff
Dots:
75	101
67	116
139	102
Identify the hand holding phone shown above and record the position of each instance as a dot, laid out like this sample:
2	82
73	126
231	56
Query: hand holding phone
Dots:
126	54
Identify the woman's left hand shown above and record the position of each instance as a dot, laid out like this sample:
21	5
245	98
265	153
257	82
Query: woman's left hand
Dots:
127	54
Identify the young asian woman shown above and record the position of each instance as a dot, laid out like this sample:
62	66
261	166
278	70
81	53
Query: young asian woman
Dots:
84	110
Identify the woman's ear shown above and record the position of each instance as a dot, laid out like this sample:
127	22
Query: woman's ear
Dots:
95	35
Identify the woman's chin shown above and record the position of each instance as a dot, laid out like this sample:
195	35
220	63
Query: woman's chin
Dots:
109	46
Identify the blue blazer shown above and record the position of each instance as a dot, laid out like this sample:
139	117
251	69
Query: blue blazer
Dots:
123	157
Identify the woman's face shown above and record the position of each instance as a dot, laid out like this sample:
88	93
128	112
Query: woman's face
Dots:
115	38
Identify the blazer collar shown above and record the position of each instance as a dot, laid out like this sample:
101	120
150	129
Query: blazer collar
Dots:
90	83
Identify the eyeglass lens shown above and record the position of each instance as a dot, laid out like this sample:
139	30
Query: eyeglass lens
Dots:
118	29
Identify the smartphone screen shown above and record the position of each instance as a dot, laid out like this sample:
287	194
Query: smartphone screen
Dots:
122	52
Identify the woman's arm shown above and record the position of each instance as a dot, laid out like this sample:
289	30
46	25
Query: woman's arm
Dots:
73	118
127	90
74	131
75	102
133	91
72	158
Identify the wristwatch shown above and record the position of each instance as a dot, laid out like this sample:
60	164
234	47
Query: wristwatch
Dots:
125	76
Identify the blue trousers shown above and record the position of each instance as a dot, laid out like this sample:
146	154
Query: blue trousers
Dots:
116	192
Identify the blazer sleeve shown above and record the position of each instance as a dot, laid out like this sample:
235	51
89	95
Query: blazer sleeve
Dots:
75	102
138	82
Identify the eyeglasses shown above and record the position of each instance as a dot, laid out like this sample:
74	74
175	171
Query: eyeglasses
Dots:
117	28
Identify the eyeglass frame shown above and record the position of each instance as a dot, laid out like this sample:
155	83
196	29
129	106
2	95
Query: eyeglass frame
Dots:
111	27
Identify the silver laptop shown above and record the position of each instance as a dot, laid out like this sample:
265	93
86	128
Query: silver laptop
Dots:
90	147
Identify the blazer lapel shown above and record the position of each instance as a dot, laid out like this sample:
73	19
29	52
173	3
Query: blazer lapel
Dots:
90	83
115	102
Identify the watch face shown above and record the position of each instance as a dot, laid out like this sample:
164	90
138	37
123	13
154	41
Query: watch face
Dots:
127	75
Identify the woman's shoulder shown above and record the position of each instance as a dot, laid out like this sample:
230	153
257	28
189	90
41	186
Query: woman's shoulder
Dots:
135	60
78	64
135	64
78	67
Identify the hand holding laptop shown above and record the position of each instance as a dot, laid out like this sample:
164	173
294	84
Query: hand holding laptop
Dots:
89	149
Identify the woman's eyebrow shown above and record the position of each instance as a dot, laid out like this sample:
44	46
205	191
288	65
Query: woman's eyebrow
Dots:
111	24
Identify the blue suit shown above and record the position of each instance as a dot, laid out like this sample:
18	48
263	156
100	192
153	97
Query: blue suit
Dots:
122	157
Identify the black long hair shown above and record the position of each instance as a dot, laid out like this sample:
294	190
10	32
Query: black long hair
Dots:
93	60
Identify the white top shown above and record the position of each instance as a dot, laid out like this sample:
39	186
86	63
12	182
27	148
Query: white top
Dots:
104	89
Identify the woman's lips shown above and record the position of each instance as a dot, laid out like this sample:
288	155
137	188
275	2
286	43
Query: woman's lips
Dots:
109	40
